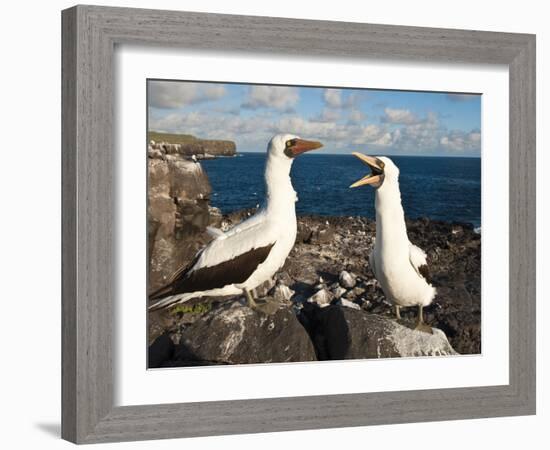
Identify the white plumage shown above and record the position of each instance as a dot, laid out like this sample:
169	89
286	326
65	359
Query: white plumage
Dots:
250	253
399	266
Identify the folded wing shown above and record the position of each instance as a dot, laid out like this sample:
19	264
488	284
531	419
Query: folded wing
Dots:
419	261
231	258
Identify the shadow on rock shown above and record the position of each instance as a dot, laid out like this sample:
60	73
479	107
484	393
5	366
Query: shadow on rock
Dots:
330	341
346	333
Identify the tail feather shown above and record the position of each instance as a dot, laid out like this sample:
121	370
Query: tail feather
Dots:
171	301
161	292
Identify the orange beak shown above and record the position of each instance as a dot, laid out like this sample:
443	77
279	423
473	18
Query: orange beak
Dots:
300	146
377	170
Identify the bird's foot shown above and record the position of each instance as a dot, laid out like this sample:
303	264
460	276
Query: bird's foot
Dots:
397	312
266	307
421	326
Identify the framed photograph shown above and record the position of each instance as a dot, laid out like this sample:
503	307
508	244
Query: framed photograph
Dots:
268	230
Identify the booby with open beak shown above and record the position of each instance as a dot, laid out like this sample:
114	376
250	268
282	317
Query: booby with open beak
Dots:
399	266
251	252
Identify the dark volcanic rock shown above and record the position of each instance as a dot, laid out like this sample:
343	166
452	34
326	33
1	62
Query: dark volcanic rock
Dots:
320	233
161	350
326	246
177	213
454	257
454	254
347	333
235	334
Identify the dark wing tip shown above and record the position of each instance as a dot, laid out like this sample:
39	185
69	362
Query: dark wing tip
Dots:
160	293
233	271
425	272
175	279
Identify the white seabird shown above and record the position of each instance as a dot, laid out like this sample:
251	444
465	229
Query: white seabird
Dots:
399	266
250	253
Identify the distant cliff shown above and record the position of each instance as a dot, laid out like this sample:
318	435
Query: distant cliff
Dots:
188	145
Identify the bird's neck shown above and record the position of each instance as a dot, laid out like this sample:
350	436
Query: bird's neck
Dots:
281	197
391	231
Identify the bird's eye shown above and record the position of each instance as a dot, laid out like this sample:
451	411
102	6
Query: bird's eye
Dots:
290	143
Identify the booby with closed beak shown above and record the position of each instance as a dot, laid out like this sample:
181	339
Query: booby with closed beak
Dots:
251	252
399	266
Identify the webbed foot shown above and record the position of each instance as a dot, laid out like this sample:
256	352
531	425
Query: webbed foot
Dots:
266	307
420	325
261	305
397	312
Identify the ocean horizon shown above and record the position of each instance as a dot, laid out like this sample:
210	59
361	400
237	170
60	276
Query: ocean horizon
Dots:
389	155
438	187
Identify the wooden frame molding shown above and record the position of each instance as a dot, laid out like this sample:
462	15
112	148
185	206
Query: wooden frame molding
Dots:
90	34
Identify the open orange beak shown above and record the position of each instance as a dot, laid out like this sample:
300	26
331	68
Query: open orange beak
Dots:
299	146
377	170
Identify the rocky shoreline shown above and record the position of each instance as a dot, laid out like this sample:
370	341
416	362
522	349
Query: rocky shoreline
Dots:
326	304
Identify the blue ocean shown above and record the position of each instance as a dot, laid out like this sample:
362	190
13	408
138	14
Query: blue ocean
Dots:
439	188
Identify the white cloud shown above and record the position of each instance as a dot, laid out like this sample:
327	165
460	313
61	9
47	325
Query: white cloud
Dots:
328	115
171	95
356	116
281	98
420	135
459	141
385	140
333	97
475	136
332	134
303	127
252	133
399	116
339	123
205	125
367	134
429	135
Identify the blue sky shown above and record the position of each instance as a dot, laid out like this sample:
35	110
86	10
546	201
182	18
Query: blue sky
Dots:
384	122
